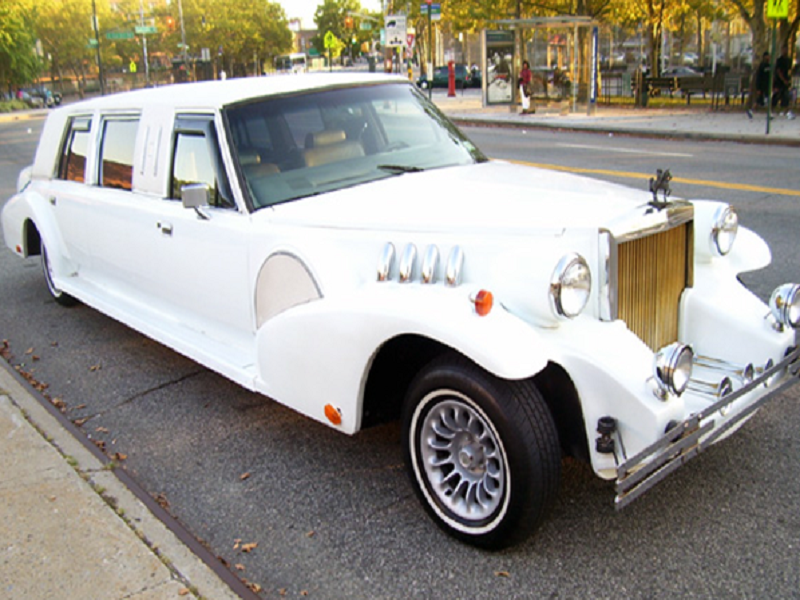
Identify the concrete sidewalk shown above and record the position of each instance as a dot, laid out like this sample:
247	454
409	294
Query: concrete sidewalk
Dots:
71	529
699	123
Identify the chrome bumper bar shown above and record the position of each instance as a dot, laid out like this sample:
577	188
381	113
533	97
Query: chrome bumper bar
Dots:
683	442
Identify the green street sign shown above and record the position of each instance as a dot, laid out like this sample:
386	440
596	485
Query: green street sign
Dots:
778	9
119	35
93	43
144	29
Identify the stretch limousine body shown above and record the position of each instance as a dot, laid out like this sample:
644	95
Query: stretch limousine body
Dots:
335	243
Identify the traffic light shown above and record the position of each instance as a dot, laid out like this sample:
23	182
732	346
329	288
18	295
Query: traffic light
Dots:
348	22
170	23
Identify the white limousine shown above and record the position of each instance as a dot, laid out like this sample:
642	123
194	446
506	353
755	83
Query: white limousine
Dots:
335	243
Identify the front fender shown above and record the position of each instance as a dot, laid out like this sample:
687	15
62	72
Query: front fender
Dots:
319	352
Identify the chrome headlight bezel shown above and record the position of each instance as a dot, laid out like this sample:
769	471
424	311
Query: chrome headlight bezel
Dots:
723	230
784	304
672	368
570	286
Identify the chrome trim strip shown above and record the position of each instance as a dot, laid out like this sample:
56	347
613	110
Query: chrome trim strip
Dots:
385	262
678	213
407	262
455	264
609	280
430	264
681	443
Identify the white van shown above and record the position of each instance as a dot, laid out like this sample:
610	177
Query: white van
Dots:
292	63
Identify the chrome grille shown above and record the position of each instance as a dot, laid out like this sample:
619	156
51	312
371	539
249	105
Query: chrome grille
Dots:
652	272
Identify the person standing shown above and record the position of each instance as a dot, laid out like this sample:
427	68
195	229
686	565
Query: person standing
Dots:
782	83
525	78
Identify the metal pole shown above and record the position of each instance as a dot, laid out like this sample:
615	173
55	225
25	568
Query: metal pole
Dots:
430	46
97	49
183	38
771	74
144	45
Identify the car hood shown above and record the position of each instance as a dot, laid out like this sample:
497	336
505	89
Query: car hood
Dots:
492	197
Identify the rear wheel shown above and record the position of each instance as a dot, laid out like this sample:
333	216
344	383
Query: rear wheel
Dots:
482	453
60	297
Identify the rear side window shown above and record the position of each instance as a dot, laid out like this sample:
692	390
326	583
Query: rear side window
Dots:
72	166
116	153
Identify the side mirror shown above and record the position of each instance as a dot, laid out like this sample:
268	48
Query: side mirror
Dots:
196	196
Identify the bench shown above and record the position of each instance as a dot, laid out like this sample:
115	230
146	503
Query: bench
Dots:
695	85
656	84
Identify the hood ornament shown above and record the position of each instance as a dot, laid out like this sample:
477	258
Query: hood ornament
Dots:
660	183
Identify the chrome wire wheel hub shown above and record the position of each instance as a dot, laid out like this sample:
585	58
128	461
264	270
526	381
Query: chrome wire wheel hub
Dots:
462	459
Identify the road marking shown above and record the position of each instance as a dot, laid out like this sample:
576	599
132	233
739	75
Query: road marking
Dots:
624	150
630	175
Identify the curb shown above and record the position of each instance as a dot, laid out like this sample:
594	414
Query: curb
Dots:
157	530
763	140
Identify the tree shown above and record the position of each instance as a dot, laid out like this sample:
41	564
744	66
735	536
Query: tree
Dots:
19	64
330	16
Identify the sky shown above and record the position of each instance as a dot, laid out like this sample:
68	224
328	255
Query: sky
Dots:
305	9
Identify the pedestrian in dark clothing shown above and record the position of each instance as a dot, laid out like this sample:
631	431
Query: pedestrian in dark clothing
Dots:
762	84
782	83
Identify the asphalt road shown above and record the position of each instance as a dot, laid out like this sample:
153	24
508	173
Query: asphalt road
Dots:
334	516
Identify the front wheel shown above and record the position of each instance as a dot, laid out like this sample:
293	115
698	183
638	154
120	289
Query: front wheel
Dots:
482	453
60	297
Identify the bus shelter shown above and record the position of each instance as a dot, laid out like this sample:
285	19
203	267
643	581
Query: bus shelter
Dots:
562	53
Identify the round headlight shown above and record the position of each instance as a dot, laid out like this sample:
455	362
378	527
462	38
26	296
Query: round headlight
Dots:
723	232
785	305
570	286
672	367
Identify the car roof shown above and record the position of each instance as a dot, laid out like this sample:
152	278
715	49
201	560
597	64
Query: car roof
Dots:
217	94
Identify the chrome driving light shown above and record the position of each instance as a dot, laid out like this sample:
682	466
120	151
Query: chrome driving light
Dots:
570	286
724	229
672	367
785	305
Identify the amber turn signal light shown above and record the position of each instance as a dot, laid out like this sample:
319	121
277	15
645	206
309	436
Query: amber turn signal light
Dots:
483	302
333	414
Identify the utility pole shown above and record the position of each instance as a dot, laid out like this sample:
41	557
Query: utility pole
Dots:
144	45
97	49
183	39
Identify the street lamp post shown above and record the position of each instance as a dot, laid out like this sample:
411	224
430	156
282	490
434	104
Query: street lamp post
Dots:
97	49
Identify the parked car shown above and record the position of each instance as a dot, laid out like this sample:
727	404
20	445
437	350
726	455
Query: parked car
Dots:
334	242
463	77
43	97
681	71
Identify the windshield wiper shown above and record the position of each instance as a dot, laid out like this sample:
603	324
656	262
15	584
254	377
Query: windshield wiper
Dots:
400	168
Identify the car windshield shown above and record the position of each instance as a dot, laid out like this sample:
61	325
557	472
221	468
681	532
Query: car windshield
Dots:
297	146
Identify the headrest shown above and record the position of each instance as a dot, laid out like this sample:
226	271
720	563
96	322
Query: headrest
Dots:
249	157
325	137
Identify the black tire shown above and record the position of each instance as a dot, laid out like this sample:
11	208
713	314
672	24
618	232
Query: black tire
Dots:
60	297
482	453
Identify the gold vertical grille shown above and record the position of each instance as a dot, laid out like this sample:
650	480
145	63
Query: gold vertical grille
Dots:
652	273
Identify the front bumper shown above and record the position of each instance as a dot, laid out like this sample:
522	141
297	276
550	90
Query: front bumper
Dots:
687	439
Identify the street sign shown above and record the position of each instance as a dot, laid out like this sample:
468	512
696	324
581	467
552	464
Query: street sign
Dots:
119	35
395	26
93	43
330	40
144	29
365	26
778	9
436	10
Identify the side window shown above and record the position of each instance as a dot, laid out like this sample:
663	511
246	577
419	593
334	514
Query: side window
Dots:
116	153
196	159
72	166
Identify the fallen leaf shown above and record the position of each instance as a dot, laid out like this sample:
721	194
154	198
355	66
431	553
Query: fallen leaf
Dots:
100	444
101	430
94	368
183	591
119	456
29	351
59	403
311	533
502	574
249	547
80	422
161	500
54	344
35	358
304	592
236	543
254	587
238	567
80	406
282	591
244	476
